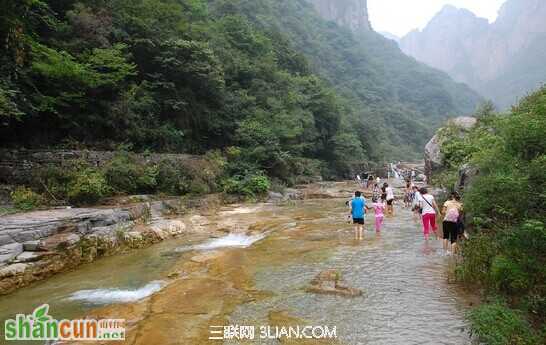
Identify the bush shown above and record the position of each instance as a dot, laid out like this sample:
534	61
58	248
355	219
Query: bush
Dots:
508	276
25	199
258	184
172	178
497	324
122	174
198	186
478	254
53	181
147	179
88	187
251	185
125	175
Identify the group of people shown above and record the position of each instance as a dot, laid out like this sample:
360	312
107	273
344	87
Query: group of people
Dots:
366	180
382	203
422	204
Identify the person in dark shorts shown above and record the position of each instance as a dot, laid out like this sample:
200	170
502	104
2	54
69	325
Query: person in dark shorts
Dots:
451	210
358	206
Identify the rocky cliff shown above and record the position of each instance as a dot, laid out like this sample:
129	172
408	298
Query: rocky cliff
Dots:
502	60
352	14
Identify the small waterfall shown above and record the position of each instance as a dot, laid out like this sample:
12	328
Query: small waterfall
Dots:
107	296
231	240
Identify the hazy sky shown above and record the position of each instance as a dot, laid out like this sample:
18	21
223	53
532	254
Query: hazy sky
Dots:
401	16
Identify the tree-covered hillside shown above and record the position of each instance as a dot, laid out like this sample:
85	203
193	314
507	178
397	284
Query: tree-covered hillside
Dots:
268	78
395	101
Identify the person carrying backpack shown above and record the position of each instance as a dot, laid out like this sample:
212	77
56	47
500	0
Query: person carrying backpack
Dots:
452	210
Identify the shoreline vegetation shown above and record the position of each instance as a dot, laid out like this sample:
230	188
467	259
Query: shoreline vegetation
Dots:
505	258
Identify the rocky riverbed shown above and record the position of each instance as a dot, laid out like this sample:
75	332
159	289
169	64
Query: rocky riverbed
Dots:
37	245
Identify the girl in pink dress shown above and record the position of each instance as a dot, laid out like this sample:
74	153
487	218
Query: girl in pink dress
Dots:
379	208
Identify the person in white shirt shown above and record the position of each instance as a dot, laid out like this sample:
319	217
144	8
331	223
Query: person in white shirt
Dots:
428	210
390	200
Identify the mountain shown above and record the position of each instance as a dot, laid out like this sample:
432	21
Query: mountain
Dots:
390	36
349	13
396	101
503	60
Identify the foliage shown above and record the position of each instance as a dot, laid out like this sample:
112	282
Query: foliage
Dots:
268	77
122	173
25	199
507	254
249	185
510	328
88	187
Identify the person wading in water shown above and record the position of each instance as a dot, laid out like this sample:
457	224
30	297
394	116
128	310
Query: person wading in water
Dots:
428	210
358	206
408	195
390	199
452	210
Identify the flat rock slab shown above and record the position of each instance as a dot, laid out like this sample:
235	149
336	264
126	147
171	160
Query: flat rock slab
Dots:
31	256
32	226
10	251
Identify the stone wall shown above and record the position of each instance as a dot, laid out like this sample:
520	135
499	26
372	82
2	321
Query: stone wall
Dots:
17	166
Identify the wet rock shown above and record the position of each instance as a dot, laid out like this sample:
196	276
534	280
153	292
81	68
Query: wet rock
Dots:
329	283
328	276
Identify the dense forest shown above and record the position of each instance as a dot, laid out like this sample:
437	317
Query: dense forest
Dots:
270	79
506	256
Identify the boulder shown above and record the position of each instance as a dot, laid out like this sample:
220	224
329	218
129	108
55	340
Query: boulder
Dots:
463	122
433	155
467	173
274	197
329	283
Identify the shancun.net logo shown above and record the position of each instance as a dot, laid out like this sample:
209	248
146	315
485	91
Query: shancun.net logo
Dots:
41	326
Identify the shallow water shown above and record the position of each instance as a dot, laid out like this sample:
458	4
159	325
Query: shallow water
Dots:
407	299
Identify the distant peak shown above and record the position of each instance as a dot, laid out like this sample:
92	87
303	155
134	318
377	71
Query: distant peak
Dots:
449	8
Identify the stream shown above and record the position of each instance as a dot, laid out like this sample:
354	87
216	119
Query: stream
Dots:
258	277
